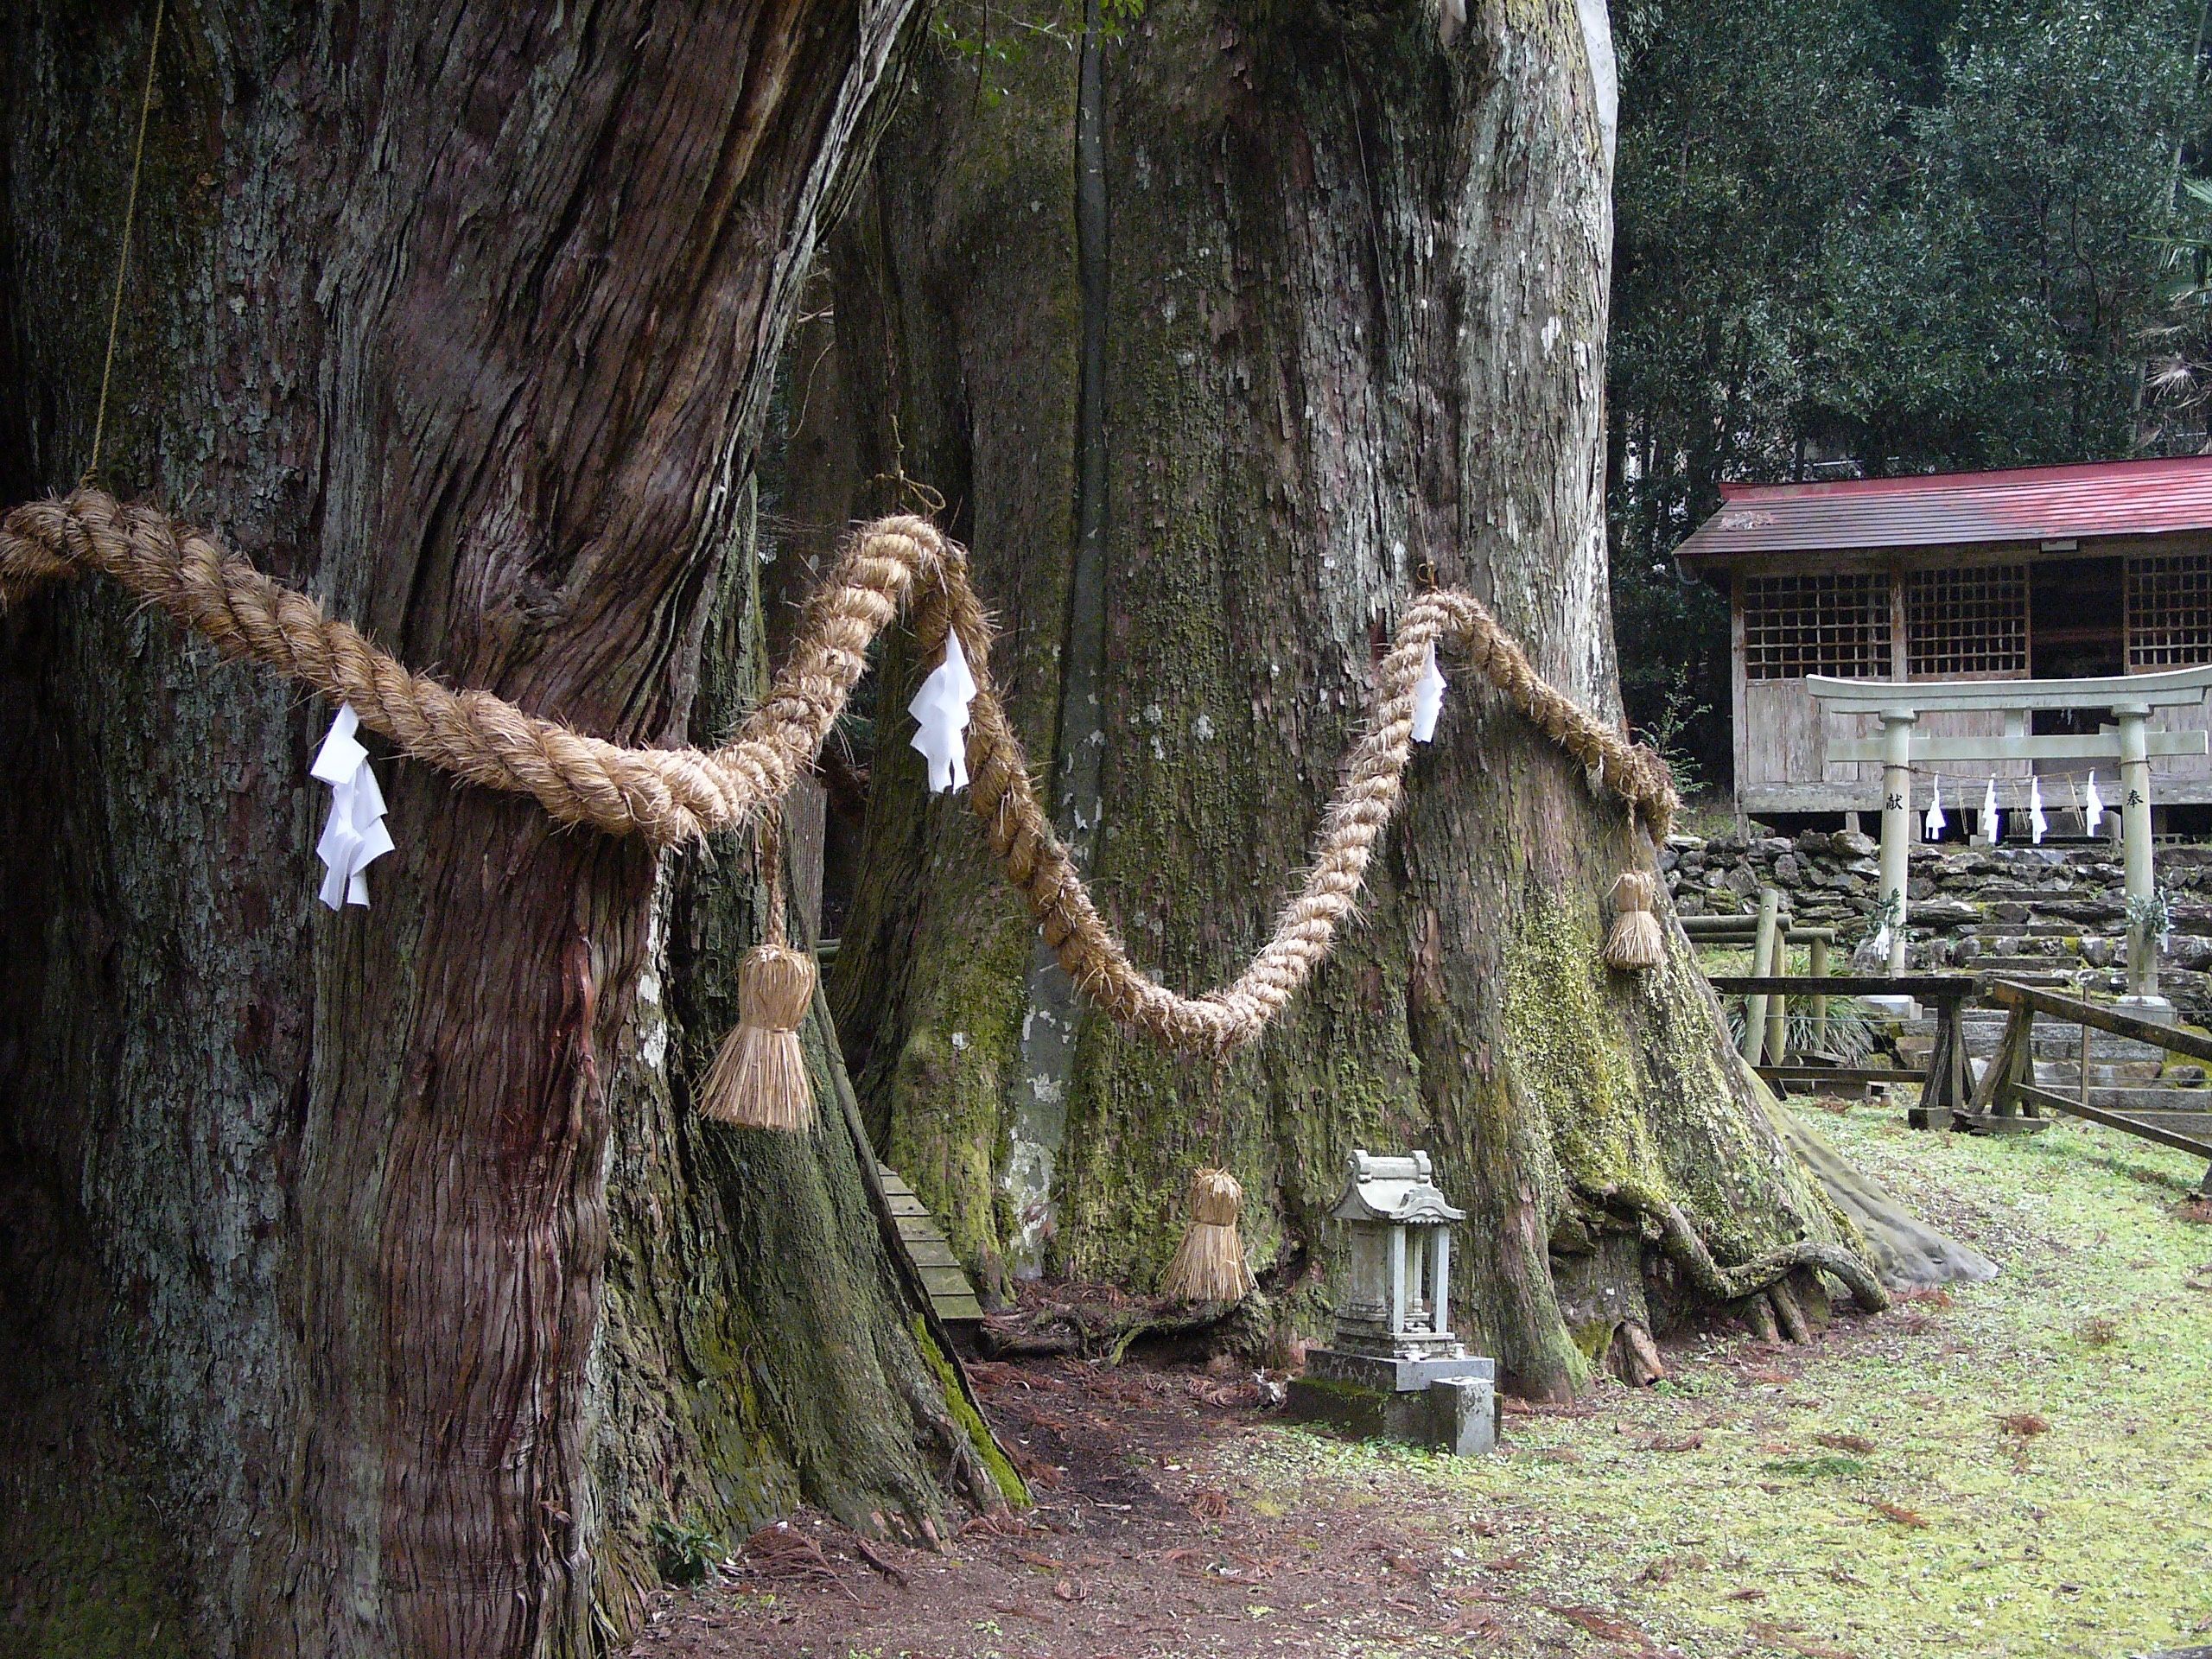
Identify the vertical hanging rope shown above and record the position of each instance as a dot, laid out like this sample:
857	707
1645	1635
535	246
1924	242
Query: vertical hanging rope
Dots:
123	253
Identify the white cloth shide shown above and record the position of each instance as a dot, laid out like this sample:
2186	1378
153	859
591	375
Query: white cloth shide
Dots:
353	836
1992	826
2093	807
1428	697
2036	823
940	710
1932	826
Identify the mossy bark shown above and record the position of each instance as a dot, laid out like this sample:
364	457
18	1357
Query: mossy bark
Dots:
369	1286
1354	312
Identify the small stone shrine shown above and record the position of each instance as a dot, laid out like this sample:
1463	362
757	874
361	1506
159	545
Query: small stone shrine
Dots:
1394	1369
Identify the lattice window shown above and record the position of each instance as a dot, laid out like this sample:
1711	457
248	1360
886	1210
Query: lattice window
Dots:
1960	624
2170	610
1834	623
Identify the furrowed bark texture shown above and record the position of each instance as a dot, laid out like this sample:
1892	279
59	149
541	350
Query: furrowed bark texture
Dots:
1354	306
368	1288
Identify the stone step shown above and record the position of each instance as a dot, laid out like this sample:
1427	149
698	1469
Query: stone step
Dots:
2152	1101
2011	966
2116	1074
2058	901
2053	1039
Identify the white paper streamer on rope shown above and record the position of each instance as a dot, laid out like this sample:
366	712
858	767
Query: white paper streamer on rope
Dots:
1990	825
353	836
940	709
1428	698
2036	823
2093	808
1932	826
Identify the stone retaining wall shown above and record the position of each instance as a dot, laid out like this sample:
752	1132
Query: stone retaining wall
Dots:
2054	909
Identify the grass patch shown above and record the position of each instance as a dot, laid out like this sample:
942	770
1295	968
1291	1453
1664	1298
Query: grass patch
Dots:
2018	1468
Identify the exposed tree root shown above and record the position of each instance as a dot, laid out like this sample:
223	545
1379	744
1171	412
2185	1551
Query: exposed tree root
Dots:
1634	1356
1105	1328
1682	1245
1757	1315
1900	1248
1795	1325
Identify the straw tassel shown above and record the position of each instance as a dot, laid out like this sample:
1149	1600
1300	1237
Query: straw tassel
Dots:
759	1079
1636	942
1208	1264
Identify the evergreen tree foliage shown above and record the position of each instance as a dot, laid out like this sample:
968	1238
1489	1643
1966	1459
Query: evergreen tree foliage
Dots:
1879	236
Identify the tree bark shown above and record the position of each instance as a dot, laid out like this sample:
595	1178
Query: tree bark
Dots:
370	1287
1355	309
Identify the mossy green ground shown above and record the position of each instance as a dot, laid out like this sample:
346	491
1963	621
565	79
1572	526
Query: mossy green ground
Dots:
1710	1515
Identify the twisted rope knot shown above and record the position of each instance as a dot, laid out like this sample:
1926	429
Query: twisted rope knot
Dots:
673	795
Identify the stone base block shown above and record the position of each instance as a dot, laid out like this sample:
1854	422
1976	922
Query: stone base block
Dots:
1396	1374
1455	1414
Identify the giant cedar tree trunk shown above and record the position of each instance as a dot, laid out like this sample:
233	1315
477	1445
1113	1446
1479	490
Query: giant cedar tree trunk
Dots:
1351	301
329	1330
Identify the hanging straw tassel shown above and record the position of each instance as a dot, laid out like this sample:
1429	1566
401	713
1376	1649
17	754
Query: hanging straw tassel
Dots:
1208	1264
1636	942
759	1079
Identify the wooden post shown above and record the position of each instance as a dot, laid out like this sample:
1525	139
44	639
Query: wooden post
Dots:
1994	1097
2135	833
1763	953
1817	1006
2085	1063
1778	1008
1897	822
1944	1094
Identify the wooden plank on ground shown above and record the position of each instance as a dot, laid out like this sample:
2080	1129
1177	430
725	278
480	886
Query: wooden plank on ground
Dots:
931	1252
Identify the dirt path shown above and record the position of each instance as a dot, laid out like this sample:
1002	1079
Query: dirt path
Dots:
1139	1546
2015	1469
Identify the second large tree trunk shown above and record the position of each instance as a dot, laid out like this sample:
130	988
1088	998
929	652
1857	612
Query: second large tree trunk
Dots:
1329	322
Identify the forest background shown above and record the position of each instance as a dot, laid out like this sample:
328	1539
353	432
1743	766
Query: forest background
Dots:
1885	237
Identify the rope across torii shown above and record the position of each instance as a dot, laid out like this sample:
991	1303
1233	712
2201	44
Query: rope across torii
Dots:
672	796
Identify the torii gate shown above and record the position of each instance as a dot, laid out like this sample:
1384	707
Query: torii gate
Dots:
2130	697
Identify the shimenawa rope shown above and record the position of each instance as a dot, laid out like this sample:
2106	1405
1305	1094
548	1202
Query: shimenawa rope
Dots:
669	796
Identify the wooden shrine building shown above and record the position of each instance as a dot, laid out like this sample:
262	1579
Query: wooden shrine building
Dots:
2091	573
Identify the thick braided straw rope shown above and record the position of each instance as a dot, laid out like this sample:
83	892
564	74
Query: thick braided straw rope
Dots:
669	796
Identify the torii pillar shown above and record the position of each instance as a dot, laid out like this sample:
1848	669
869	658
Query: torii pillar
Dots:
2140	880
1896	822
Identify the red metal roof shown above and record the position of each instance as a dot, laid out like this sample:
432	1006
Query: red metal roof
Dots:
2026	503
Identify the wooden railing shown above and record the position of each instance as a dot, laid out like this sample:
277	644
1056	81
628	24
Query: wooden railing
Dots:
2008	1101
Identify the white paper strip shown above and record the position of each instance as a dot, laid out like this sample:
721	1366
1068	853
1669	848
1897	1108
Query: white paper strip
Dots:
353	835
2036	823
940	710
1428	697
1990	826
1932	826
2093	808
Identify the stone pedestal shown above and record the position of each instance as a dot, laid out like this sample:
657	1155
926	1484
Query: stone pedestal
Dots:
1448	1402
2155	1008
